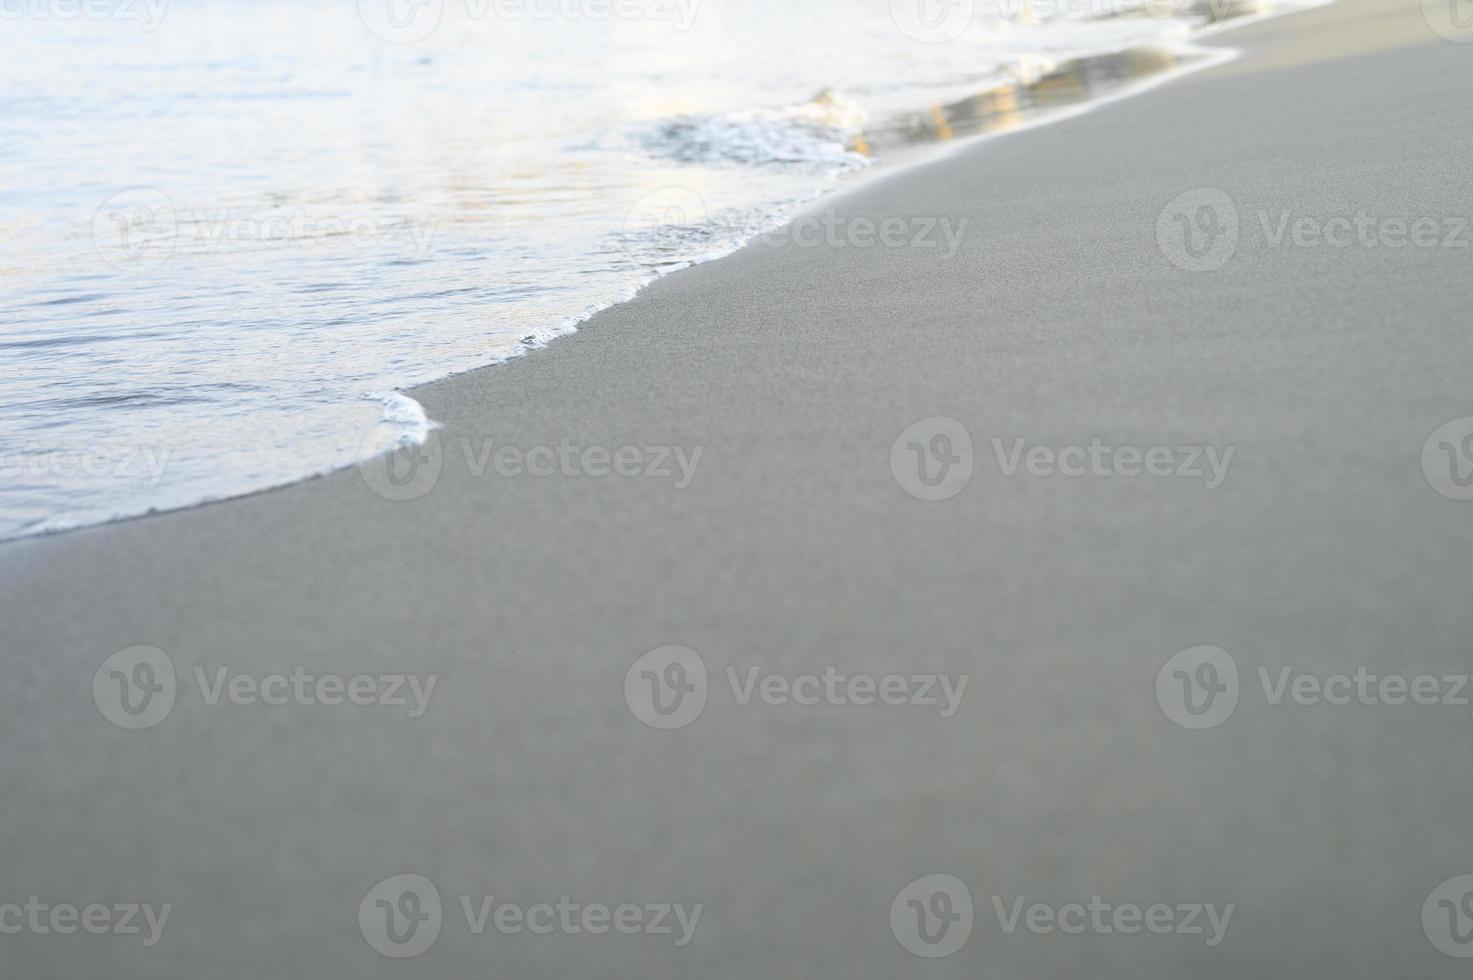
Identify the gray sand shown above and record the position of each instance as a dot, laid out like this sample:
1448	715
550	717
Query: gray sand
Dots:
794	549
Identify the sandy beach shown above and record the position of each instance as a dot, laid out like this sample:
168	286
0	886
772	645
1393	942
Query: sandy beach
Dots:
1188	428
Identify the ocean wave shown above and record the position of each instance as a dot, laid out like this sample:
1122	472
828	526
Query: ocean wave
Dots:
817	136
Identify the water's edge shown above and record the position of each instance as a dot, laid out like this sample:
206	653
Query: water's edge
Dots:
404	421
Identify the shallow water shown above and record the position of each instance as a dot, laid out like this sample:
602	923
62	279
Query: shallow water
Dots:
229	231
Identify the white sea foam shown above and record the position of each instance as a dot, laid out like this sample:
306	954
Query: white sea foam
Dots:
406	418
809	137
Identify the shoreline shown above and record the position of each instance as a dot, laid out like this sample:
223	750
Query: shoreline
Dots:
797	545
1195	57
